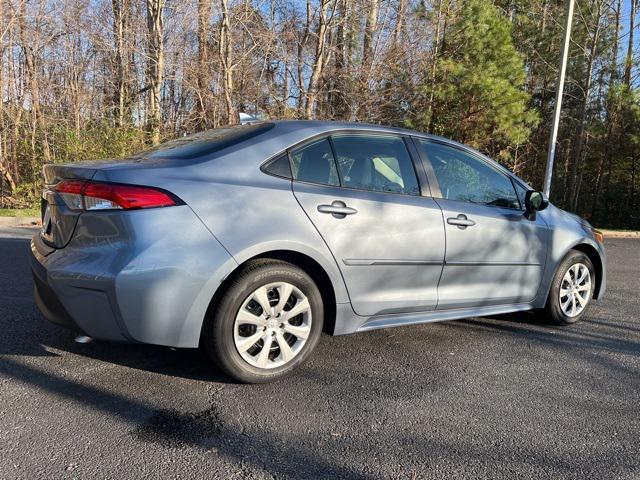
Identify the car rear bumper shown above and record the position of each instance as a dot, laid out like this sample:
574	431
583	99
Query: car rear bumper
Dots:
47	300
140	276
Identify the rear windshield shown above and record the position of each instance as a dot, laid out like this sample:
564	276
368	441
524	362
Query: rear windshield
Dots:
204	143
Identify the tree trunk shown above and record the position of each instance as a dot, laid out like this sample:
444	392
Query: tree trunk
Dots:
629	58
226	61
434	64
37	118
319	60
155	66
302	43
121	87
202	75
366	67
367	43
610	115
614	49
5	175
578	150
339	95
398	31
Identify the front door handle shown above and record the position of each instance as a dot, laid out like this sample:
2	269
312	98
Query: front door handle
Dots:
337	208
461	221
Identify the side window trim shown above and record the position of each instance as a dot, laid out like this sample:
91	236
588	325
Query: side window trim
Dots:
423	180
335	160
423	183
473	155
434	186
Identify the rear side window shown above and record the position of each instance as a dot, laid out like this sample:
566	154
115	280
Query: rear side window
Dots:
375	162
315	163
278	167
464	177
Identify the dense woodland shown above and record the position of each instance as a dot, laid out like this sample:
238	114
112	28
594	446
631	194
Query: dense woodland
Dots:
85	79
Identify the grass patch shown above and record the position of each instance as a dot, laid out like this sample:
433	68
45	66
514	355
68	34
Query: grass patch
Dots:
19	212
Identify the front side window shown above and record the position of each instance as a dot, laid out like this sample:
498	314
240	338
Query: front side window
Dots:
315	163
464	177
376	163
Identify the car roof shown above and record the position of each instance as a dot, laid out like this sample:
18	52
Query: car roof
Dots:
322	126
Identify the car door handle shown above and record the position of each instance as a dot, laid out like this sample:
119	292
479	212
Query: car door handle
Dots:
461	221
337	208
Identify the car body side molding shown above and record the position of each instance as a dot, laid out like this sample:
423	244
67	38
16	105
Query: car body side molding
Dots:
387	321
378	261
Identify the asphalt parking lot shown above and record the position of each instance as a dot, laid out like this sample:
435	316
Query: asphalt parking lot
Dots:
504	397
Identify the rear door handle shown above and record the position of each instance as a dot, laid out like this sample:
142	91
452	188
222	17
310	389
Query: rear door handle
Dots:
337	208
461	221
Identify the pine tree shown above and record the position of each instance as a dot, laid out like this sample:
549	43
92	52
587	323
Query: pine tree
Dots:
479	96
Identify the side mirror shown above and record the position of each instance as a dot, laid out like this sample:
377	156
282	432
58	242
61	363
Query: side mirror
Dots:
535	201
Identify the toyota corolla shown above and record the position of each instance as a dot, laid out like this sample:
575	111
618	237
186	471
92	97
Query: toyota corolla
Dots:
249	241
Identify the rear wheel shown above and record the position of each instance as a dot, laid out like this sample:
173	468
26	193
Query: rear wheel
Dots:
572	289
266	323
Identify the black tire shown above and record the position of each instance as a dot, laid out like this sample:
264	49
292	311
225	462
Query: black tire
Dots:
553	310
218	333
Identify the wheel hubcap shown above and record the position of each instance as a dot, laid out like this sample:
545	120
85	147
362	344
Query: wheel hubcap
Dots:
575	290
272	325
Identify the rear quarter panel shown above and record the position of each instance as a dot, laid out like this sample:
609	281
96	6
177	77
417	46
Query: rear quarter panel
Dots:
247	211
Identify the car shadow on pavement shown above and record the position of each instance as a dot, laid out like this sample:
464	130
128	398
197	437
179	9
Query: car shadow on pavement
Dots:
204	430
535	327
189	364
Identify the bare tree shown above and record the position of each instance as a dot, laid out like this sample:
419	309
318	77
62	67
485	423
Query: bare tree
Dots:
121	82
320	57
203	76
628	65
155	66
226	62
578	149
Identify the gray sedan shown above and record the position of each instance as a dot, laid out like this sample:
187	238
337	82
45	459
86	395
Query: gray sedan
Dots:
249	241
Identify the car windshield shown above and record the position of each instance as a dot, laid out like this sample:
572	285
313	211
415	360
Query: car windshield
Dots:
207	142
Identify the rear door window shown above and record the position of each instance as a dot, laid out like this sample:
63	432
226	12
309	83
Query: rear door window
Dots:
314	163
379	163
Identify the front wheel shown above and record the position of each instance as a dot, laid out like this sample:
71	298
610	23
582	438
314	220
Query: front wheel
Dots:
266	323
572	289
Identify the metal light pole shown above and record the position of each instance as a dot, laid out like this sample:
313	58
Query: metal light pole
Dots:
559	90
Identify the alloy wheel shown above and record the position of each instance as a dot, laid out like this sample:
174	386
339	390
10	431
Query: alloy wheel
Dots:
575	290
272	325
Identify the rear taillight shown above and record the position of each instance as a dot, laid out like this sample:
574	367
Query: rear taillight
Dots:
88	195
